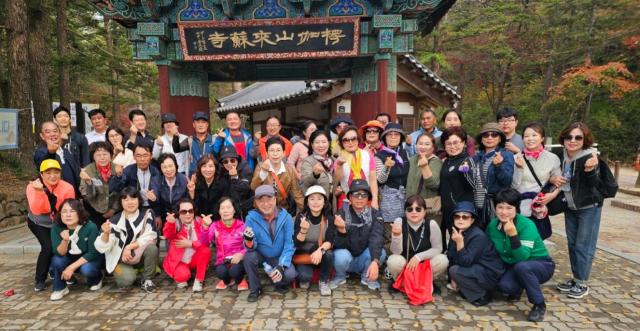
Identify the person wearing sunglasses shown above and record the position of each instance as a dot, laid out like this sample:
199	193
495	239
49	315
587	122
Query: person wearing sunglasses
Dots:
187	250
371	132
496	164
358	243
234	177
317	168
580	174
527	262
474	264
354	163
128	241
414	239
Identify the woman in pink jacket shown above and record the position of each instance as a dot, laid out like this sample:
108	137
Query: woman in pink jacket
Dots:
187	248
227	233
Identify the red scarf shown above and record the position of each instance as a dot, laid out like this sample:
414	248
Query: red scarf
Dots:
534	154
105	172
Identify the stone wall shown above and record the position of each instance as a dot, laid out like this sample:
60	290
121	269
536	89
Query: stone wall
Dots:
13	209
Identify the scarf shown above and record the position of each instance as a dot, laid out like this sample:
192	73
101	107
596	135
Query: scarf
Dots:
326	161
105	172
394	153
534	154
356	165
189	251
73	239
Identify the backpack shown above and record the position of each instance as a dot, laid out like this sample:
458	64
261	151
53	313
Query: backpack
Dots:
607	185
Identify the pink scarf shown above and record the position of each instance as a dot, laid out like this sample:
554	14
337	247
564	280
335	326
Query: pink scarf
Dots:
534	154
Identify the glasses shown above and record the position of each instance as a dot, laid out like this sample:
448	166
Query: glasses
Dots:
506	120
573	138
462	217
490	135
372	131
227	161
453	143
414	209
349	140
360	195
186	211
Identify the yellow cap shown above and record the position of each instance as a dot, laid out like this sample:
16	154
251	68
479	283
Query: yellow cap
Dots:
49	164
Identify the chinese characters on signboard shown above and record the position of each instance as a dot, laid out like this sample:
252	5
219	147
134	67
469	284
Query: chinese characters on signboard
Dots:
271	39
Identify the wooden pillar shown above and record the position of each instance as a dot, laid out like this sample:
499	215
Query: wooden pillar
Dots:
183	91
373	88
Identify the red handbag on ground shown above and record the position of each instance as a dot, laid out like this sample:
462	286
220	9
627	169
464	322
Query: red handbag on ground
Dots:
417	285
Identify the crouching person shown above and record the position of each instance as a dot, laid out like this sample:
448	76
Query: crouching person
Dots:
474	264
269	241
359	238
314	232
518	242
186	250
227	235
414	240
72	237
128	242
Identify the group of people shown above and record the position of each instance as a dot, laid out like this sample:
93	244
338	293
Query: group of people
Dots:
372	200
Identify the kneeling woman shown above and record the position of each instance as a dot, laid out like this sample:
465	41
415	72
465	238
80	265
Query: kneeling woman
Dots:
474	264
518	242
72	237
186	251
128	242
414	240
227	234
313	236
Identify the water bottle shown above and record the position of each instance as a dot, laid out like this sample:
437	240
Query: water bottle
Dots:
267	268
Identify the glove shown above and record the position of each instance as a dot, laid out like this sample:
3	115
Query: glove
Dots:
248	234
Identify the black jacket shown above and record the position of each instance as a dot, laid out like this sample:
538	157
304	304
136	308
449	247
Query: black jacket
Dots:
329	234
78	147
358	238
478	257
583	184
239	189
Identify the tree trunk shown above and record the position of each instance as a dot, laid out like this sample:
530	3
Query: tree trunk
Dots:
19	92
63	69
39	33
114	73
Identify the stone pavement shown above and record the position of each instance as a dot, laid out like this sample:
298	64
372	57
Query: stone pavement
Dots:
614	304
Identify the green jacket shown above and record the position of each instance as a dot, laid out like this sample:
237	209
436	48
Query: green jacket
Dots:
96	193
430	186
86	237
525	245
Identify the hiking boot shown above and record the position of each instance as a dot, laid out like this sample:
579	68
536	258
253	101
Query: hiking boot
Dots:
148	286
578	291
325	290
58	295
566	286
537	313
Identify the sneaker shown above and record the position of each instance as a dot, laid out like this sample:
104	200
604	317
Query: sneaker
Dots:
325	290
537	313
374	285
452	287
566	286
386	274
72	281
148	286
243	286
40	286
254	296
578	291
197	286
182	285
96	287
221	285
337	282
304	285
58	295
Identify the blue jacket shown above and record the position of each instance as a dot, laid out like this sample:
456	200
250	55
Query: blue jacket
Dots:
282	246
411	150
228	141
498	177
70	169
196	152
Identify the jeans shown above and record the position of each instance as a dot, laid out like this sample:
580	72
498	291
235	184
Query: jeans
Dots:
345	262
527	275
253	263
91	270
582	228
46	251
305	271
227	272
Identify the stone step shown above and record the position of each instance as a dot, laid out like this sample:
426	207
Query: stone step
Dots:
626	201
630	191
